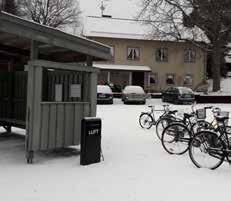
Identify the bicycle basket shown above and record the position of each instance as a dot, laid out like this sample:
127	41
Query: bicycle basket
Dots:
201	113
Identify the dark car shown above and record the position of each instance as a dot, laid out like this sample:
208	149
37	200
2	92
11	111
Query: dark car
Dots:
178	95
104	94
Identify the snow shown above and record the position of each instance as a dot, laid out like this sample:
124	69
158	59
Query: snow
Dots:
133	89
225	87
228	58
135	167
108	27
185	90
122	67
104	89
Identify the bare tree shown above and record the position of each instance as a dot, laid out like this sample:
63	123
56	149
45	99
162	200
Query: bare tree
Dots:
205	22
54	13
9	6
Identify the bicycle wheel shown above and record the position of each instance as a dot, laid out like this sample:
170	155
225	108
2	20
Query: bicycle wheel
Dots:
206	150
201	125
146	120
162	123
175	138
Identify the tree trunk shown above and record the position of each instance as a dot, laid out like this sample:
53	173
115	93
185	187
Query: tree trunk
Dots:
216	67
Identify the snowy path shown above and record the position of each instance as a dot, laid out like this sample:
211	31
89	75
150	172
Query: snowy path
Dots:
136	168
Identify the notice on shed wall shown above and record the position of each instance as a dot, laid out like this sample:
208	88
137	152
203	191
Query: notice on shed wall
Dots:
75	91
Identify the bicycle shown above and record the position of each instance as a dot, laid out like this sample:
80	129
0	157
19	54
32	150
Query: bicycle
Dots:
209	149
147	119
176	136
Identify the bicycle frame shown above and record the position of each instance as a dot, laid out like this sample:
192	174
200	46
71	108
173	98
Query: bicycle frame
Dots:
215	152
152	113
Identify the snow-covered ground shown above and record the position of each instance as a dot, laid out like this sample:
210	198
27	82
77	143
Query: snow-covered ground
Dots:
225	87
136	168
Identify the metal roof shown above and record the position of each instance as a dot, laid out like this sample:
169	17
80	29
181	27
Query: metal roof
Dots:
16	35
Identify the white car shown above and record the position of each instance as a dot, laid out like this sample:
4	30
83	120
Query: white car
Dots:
104	94
133	94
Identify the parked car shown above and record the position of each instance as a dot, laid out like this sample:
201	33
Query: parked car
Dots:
133	94
178	95
104	94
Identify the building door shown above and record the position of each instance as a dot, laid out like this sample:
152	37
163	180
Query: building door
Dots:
138	78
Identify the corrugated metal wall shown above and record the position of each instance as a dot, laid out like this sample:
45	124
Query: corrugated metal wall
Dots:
60	124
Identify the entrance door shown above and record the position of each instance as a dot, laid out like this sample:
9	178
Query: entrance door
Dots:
138	78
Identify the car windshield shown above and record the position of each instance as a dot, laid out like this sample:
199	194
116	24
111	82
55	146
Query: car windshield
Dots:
185	90
104	89
133	89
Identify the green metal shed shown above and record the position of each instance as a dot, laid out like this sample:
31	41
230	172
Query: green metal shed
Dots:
47	82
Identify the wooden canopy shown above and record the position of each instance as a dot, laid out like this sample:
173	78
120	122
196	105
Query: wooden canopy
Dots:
16	35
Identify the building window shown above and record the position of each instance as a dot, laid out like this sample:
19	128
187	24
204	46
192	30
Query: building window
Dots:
153	79
133	53
170	79
188	80
189	56
162	55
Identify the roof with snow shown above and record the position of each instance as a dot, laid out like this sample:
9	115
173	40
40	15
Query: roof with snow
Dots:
116	28
108	27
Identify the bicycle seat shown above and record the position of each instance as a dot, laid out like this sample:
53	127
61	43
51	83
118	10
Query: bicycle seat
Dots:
151	106
221	118
187	116
173	112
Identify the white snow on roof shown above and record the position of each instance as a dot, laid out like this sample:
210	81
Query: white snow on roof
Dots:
121	67
108	27
116	28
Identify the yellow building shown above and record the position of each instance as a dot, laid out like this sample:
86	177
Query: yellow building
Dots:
139	60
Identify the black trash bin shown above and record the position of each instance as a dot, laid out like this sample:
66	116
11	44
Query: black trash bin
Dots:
90	141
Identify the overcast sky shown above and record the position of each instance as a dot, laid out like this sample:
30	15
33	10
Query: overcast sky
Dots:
116	8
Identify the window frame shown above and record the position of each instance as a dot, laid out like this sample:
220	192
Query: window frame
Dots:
189	58
188	74
133	59
174	79
161	49
149	76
